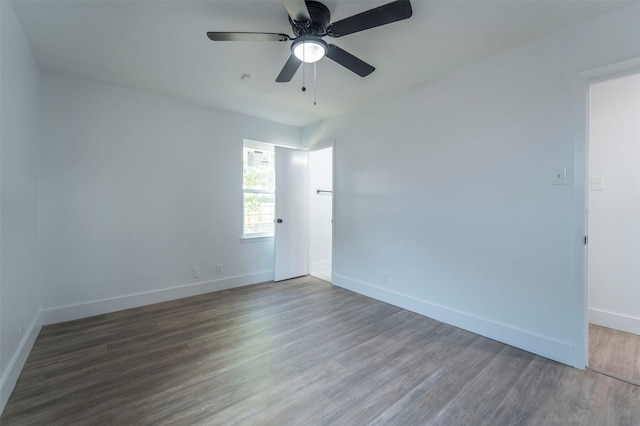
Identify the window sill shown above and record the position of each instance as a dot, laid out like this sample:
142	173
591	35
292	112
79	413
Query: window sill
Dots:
256	238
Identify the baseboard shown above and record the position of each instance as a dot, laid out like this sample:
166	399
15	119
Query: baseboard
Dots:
11	374
320	266
614	320
528	341
98	307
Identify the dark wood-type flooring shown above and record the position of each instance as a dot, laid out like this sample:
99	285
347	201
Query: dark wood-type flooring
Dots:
615	353
297	352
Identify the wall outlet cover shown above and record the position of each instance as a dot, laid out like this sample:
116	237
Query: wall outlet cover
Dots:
560	176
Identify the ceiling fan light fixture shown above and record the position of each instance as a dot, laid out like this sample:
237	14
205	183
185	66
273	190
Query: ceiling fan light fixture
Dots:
309	49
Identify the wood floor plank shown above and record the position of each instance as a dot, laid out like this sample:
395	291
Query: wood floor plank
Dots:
280	356
533	389
296	398
615	353
296	352
585	397
461	356
492	382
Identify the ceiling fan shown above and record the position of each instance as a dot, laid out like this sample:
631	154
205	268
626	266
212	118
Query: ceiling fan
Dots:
310	22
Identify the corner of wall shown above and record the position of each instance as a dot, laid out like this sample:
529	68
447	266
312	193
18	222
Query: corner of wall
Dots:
19	119
11	374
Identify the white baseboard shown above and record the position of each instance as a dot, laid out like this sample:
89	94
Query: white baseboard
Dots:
98	307
11	374
320	266
614	320
528	341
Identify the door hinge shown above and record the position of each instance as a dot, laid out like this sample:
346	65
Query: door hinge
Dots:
585	240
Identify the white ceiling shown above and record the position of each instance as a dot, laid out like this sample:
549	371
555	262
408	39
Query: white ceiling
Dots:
161	46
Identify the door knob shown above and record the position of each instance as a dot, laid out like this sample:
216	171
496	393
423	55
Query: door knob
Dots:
279	220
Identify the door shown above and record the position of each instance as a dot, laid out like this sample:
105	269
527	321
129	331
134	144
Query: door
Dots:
292	213
614	204
613	271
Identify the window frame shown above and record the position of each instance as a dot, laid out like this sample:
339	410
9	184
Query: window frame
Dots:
263	146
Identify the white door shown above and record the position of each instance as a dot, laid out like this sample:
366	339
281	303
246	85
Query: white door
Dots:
292	213
614	204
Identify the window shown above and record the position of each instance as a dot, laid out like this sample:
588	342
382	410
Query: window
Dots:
259	188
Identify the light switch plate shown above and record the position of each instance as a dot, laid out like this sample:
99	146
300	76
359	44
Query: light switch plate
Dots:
597	183
560	176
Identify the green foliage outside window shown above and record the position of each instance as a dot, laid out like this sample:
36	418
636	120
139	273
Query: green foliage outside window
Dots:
259	191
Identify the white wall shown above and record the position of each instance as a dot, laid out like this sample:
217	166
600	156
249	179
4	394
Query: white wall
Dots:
19	286
137	190
614	210
320	209
448	191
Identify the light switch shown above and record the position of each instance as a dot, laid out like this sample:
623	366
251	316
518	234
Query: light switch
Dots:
597	183
560	176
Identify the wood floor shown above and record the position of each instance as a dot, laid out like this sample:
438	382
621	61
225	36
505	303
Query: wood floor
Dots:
615	353
297	352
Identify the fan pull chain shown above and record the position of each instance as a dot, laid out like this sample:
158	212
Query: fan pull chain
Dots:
315	84
303	67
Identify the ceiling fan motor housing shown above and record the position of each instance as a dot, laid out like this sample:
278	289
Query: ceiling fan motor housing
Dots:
320	18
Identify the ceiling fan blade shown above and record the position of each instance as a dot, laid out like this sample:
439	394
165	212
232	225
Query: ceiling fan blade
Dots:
224	36
385	14
349	61
289	69
297	10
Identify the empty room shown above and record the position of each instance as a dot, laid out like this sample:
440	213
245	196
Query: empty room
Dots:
319	212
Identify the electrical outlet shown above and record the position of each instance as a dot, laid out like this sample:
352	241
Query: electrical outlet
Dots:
560	176
385	278
219	268
21	324
196	272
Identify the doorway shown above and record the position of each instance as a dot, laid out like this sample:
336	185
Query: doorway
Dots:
321	213
613	225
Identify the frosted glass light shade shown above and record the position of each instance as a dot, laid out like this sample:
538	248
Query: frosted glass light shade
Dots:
309	49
